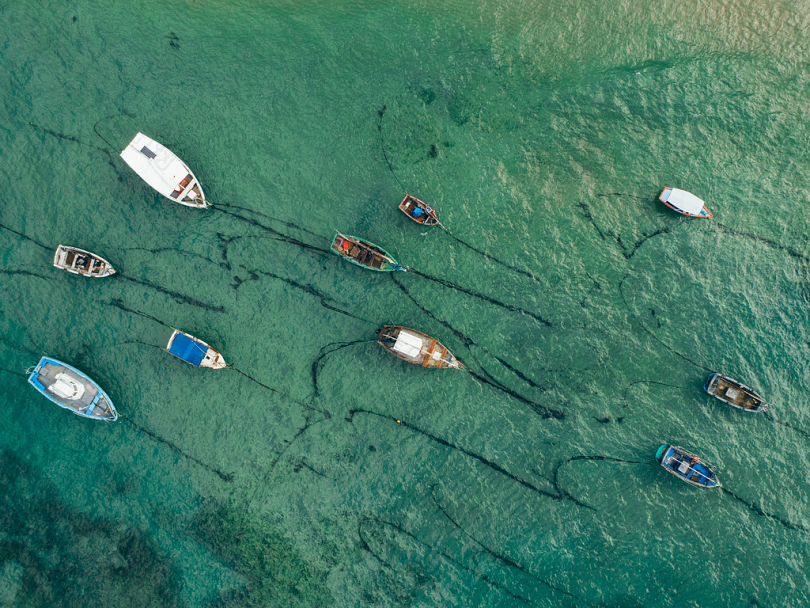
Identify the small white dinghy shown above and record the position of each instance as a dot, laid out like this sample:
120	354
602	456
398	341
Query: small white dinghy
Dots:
160	168
79	261
684	202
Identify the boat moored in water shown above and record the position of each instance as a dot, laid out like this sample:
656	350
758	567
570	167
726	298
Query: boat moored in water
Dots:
684	202
194	351
364	253
71	389
164	171
419	211
79	261
416	347
686	466
736	394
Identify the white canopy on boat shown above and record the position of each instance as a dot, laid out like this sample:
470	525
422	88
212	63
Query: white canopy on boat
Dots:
683	200
157	165
409	345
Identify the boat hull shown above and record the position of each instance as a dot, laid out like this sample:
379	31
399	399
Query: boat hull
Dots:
72	390
164	171
736	394
687	467
365	254
696	207
416	347
81	262
194	351
426	218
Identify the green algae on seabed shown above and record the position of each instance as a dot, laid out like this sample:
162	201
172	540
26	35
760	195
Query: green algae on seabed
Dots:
275	572
52	555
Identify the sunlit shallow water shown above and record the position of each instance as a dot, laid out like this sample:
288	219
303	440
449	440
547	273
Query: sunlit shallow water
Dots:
542	135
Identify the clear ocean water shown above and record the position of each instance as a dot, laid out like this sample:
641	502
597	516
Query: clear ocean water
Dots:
325	472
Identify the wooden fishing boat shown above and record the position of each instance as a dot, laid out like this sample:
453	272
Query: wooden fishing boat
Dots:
418	211
415	347
71	389
736	394
160	168
684	202
687	467
79	261
193	350
365	254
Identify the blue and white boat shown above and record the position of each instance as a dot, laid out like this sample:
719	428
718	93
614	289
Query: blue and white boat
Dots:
193	350
686	466
71	389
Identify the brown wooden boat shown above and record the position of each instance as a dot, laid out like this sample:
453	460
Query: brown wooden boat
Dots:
736	394
79	261
415	347
419	211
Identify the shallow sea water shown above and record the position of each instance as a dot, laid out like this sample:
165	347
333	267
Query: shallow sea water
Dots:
588	313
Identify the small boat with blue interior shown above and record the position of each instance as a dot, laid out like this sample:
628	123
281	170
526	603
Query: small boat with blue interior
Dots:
365	253
194	351
684	202
419	211
686	466
736	394
416	347
71	389
164	171
79	261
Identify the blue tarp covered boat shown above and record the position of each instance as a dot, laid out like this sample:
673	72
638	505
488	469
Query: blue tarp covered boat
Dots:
195	351
686	466
71	389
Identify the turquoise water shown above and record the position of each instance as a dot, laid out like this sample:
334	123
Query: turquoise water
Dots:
543	135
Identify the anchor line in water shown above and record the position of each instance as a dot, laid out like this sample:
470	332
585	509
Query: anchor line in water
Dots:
76	140
104	139
269	217
555	472
541	410
8	371
120	304
176	296
293	399
762	513
493	258
481	296
309	289
770	417
315	369
479	575
28	238
279	236
472	455
260	487
24	273
629	386
652	335
502	558
227	477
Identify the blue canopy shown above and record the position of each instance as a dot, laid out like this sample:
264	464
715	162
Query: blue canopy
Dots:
188	349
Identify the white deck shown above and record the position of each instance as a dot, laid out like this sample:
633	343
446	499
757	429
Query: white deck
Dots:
683	200
408	344
159	167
